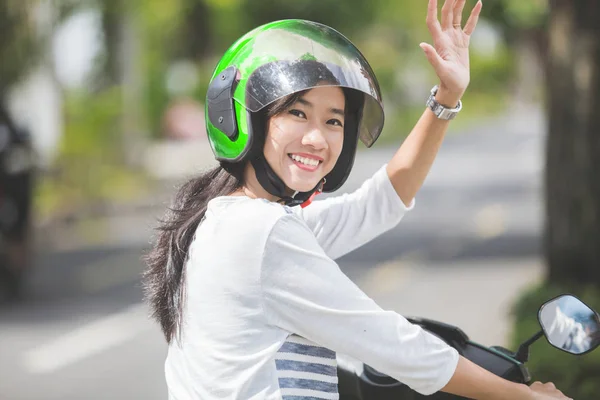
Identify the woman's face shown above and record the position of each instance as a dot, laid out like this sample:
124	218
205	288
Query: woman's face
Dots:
304	142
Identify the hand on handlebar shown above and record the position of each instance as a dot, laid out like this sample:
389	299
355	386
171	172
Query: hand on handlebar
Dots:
547	391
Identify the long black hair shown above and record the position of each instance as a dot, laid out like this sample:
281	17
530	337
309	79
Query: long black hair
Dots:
164	276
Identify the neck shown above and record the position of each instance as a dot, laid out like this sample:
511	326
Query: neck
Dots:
252	188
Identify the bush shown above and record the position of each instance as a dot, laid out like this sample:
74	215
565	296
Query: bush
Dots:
89	169
576	376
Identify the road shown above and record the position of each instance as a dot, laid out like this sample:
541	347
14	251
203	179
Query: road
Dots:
469	246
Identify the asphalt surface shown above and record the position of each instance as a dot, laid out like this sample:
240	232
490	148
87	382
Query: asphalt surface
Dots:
469	246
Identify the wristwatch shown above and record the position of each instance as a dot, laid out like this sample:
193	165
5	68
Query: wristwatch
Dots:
441	111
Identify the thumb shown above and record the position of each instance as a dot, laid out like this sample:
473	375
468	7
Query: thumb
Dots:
434	58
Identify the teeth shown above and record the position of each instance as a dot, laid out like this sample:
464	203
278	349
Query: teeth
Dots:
306	161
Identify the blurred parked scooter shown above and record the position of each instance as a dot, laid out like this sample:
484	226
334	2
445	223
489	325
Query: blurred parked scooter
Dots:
17	170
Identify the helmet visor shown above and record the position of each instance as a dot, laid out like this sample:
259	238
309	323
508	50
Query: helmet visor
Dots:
293	56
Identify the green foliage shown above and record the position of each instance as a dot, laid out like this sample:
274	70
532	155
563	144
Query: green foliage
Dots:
21	41
514	17
19	44
526	14
491	73
158	23
89	168
387	31
576	376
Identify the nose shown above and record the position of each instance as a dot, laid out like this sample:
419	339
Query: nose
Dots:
315	138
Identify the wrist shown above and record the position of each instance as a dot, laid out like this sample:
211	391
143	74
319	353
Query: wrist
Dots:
512	391
448	98
524	392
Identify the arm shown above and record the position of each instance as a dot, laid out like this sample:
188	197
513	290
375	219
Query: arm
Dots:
449	58
409	167
411	163
472	381
344	223
304	292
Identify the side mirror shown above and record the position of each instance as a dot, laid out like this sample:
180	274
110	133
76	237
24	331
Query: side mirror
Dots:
570	325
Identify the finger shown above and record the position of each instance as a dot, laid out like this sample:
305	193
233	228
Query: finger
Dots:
473	18
447	14
432	56
432	19
458	10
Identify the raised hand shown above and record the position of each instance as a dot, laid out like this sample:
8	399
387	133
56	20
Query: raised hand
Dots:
449	54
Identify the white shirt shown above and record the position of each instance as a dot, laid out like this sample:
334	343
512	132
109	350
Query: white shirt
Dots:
259	273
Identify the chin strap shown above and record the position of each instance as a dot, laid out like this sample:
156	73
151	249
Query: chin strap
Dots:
318	190
269	180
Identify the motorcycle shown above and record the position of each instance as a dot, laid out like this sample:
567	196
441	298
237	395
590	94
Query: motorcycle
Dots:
17	170
567	323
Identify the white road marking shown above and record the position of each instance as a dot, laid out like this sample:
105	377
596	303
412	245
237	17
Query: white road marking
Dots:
88	340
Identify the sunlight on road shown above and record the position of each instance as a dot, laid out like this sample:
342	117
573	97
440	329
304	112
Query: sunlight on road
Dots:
386	277
490	221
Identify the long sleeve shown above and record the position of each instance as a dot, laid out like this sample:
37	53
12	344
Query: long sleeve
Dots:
305	292
344	223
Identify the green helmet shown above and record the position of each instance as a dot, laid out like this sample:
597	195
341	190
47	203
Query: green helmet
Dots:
279	59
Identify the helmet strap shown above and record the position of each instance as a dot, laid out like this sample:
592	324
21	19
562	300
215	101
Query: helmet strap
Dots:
273	184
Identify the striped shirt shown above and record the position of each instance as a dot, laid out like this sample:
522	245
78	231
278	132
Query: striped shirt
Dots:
306	371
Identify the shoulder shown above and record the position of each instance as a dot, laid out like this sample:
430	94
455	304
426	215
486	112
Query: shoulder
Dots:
243	216
260	222
245	207
250	228
290	237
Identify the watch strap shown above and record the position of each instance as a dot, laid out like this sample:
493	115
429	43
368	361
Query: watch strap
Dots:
441	111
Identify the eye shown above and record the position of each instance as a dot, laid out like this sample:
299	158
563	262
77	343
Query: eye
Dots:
335	122
298	113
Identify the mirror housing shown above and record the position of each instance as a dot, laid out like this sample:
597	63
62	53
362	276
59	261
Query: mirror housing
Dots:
570	325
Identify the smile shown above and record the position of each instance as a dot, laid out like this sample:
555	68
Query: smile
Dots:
305	163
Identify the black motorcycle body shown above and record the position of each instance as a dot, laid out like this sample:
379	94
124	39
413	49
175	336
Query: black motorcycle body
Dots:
17	170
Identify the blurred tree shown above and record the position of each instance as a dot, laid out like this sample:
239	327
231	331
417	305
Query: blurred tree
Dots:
113	14
168	34
22	38
201	30
573	147
19	51
523	25
19	44
517	18
194	33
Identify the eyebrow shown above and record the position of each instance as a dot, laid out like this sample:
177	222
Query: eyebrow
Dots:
307	103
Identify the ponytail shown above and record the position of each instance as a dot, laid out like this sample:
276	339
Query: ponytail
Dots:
164	276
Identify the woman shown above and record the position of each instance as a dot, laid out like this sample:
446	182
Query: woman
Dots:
242	277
